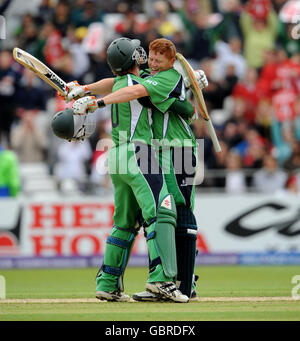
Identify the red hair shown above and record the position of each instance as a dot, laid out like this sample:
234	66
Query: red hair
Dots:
163	46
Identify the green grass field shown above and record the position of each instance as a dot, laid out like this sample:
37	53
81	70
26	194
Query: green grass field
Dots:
238	294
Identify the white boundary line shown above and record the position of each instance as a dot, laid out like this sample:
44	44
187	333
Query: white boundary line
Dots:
198	299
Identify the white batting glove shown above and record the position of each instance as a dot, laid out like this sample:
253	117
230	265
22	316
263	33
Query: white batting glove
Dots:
75	91
201	79
85	105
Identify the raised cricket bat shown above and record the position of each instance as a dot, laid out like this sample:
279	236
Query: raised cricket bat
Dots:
40	69
199	100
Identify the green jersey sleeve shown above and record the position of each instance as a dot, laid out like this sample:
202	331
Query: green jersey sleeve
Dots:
183	108
163	88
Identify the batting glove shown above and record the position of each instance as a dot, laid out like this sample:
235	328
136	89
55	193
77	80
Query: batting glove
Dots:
85	105
75	91
201	79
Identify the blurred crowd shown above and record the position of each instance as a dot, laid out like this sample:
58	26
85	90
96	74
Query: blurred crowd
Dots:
249	50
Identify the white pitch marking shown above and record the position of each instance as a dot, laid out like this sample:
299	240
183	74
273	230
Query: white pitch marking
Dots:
197	299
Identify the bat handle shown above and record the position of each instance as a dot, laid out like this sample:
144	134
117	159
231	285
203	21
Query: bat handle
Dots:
213	136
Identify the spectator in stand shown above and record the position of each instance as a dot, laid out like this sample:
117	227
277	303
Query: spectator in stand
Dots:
230	80
150	34
217	91
133	27
190	7
165	26
270	178
267	75
77	11
26	20
242	128
179	41
285	94
239	108
292	164
217	161
254	156
65	66
263	117
28	140
200	36
9	79
278	83
81	60
53	49
230	54
130	26
205	28
235	180
253	145
246	89
9	174
101	142
251	138
259	26
45	12
286	75
27	33
98	69
72	161
102	130
30	94
230	26
231	135
85	13
283	139
284	100
61	18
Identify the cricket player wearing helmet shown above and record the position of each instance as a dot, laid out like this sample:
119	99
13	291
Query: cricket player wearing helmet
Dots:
136	188
168	85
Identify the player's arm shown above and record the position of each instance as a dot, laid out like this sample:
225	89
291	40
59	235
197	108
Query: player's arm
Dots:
102	87
126	94
90	104
182	108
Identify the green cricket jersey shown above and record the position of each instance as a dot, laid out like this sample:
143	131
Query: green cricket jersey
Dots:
135	122
163	89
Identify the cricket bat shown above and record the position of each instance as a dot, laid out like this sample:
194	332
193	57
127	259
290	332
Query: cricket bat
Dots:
199	100
40	69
